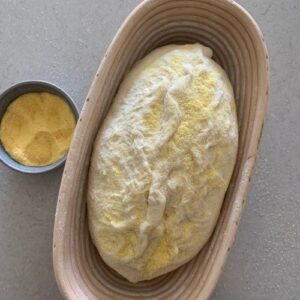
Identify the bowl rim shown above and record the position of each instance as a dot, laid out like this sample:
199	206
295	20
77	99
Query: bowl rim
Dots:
49	87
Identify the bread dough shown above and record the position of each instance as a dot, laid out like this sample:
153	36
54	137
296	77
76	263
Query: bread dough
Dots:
162	162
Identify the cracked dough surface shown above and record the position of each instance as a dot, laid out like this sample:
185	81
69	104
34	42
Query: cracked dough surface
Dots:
162	162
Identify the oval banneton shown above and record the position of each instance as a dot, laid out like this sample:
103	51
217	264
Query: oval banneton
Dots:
239	48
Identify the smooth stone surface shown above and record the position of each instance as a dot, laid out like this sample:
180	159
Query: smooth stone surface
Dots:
64	42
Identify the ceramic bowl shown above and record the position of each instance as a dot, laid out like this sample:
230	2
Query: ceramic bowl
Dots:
239	48
8	96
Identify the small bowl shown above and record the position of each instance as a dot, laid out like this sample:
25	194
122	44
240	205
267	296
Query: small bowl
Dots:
7	97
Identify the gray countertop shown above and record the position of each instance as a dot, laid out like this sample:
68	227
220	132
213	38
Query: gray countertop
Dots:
63	42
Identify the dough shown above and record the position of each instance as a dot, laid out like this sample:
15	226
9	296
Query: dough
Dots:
162	162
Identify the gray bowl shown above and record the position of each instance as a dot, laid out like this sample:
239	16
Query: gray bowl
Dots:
9	96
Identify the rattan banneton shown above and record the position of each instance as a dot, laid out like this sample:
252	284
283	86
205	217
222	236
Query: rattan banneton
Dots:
239	48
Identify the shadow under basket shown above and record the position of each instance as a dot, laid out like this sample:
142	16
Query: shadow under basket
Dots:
239	48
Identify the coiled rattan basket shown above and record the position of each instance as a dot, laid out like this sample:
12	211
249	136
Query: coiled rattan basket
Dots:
239	47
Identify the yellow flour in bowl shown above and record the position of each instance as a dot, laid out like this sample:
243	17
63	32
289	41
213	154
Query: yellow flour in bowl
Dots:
37	128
